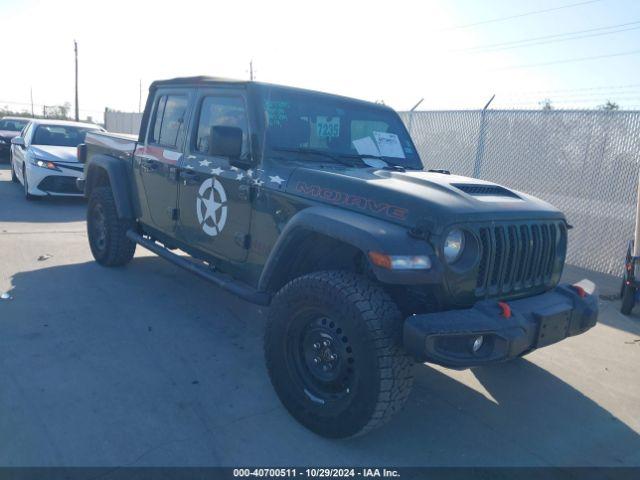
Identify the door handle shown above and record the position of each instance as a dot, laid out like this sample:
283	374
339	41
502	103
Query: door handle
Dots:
149	165
188	177
244	192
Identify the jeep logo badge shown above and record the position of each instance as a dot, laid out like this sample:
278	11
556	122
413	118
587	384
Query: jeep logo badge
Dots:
211	207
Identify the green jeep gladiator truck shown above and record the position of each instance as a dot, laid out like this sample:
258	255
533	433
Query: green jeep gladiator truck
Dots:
319	206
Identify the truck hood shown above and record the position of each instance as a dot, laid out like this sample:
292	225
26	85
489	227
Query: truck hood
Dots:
417	198
54	153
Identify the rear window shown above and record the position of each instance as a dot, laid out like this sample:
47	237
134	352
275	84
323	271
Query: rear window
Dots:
168	122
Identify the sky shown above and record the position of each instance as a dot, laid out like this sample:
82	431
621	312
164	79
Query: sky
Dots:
453	53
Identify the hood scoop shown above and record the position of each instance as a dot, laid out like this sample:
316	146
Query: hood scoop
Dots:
479	190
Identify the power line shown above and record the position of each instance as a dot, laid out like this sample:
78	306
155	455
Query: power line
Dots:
534	12
584	89
527	42
569	60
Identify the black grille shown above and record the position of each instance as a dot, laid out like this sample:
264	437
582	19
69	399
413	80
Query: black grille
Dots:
493	190
59	184
516	257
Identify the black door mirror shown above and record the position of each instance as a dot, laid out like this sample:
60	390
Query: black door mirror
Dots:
225	141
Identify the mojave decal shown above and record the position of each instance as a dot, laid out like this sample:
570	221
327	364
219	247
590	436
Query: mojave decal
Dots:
211	206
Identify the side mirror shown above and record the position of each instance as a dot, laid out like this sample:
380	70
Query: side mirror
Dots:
225	141
17	141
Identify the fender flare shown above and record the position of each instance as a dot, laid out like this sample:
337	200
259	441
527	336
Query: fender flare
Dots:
118	174
360	231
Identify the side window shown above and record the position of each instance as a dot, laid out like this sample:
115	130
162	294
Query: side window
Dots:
168	121
221	111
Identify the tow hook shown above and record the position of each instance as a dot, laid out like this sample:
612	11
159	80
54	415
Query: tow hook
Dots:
505	308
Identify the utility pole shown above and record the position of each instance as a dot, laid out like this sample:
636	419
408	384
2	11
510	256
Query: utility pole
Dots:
33	115
251	70
75	48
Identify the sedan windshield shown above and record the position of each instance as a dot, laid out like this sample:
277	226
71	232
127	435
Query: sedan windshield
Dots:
60	135
9	125
327	126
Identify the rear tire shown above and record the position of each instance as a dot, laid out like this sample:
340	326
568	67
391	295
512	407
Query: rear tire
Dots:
628	299
107	233
334	355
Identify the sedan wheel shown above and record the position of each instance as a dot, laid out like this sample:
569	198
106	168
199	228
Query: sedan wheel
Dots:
14	177
27	195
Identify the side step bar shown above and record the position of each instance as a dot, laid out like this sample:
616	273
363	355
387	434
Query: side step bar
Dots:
240	289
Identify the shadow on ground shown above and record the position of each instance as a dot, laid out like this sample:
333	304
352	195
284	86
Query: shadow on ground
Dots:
148	365
40	210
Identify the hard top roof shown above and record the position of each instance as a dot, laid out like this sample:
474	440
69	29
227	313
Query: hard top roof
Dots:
207	80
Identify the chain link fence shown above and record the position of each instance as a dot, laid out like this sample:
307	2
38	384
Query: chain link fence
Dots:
586	163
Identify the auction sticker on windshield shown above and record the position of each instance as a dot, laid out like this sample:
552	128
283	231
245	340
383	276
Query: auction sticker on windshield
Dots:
389	144
328	127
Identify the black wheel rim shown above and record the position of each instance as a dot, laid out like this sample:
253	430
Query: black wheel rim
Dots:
322	359
99	228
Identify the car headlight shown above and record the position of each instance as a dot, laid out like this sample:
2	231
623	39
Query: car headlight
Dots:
44	164
453	245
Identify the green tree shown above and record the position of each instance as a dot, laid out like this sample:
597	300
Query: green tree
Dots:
609	106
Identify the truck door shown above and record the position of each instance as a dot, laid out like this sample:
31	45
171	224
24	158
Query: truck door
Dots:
156	161
214	196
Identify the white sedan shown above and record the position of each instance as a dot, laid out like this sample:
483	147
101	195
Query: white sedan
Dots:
44	157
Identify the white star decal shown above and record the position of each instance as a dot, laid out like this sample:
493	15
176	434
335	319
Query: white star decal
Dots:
249	172
190	167
240	176
205	163
216	171
211	206
235	169
276	179
258	182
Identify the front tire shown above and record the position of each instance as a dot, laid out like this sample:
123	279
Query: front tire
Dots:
334	355
106	231
14	177
25	183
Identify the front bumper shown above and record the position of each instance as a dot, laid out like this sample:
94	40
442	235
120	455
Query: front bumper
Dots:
508	330
61	182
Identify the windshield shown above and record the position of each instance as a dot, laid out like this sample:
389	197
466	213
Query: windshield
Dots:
307	121
60	135
9	125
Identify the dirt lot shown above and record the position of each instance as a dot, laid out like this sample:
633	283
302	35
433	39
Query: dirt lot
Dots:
148	365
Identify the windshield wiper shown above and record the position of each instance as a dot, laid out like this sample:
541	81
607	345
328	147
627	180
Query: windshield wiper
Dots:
389	166
322	153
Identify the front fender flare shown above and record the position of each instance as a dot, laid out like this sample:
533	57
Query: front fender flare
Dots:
118	174
360	231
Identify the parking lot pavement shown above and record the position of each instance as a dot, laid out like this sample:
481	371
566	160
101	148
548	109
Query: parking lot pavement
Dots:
148	365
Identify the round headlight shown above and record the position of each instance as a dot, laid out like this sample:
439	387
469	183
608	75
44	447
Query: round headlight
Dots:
453	245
